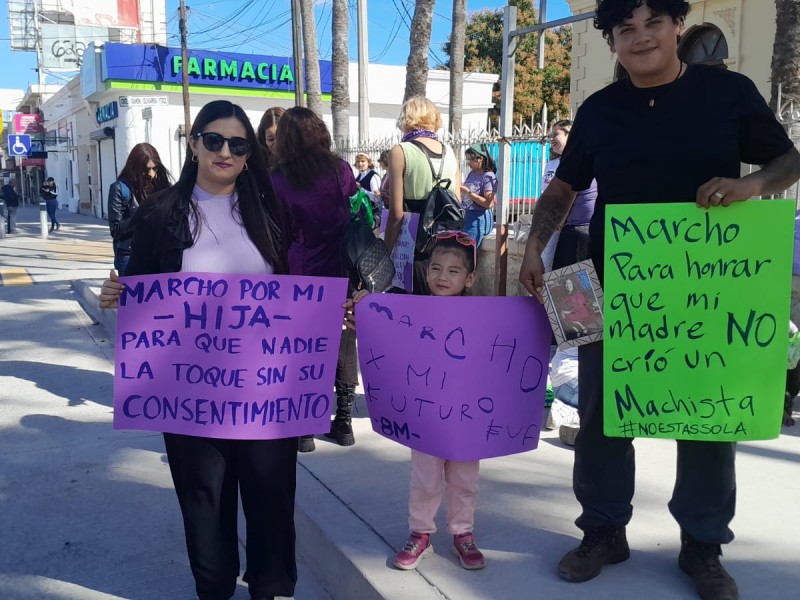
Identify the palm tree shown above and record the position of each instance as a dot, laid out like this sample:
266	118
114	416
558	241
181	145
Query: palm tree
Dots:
419	41
786	52
457	66
340	91
313	81
786	70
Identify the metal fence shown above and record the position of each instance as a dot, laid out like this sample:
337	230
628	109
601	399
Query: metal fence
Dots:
529	153
788	114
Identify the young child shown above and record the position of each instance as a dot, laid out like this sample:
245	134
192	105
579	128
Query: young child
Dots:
451	270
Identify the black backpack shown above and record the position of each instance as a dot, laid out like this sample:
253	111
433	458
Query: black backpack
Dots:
443	210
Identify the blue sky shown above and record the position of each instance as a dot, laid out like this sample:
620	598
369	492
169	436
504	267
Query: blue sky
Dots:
263	27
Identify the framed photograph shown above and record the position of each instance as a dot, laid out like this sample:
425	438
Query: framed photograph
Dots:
574	303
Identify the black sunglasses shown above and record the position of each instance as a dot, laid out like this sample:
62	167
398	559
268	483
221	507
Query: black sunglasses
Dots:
213	142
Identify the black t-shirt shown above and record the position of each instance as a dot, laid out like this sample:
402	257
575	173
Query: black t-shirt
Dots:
703	125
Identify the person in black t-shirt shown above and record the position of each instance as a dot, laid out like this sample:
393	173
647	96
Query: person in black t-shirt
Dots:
670	132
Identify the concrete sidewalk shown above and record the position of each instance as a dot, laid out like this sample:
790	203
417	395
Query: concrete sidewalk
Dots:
352	503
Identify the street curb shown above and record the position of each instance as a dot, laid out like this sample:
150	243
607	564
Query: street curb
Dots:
88	292
344	553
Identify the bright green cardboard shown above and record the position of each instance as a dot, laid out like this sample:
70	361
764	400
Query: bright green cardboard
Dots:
696	313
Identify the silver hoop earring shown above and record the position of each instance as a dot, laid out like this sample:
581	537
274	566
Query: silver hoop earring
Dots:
194	158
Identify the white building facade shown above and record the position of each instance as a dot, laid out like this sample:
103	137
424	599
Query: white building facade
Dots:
132	93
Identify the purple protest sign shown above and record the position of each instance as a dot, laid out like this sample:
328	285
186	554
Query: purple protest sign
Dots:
227	356
403	251
460	378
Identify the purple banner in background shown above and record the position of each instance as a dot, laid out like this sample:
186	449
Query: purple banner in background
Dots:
227	356
460	378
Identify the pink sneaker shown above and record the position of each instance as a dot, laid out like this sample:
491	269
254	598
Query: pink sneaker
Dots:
468	553
416	548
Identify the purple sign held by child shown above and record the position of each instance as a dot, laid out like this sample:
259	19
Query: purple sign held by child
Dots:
460	378
227	356
403	251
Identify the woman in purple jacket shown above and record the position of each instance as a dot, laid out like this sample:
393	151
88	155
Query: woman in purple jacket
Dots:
315	186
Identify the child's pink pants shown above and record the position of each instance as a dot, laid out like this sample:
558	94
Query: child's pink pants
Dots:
429	476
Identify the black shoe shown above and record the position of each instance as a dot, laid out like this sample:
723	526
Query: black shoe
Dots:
306	443
701	563
342	424
600	546
341	431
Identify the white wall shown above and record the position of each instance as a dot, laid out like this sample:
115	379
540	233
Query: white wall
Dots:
386	88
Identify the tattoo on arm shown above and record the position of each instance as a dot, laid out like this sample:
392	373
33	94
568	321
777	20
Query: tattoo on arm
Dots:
548	217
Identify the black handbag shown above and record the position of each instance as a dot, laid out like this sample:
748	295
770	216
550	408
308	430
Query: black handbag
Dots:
365	258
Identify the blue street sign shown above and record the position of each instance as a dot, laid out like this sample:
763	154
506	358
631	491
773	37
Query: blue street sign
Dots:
19	144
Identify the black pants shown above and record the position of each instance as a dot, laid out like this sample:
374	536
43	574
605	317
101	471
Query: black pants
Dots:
704	499
208	473
572	246
347	364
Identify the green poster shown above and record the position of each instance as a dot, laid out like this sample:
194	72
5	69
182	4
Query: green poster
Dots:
696	315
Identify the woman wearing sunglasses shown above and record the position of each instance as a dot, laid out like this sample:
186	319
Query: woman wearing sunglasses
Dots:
315	186
221	216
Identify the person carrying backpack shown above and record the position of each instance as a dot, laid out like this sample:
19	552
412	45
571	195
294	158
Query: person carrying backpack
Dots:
11	198
411	165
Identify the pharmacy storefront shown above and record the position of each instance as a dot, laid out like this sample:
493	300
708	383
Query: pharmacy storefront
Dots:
133	94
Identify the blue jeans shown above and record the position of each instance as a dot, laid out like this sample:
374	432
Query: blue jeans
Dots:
121	263
52	206
478	223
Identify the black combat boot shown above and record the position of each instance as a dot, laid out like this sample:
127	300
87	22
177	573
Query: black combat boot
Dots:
305	443
342	425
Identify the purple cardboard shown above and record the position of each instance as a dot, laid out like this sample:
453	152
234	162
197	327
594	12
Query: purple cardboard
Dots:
227	356
403	251
461	378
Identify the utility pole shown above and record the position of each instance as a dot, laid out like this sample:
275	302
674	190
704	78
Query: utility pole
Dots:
39	54
363	65
297	49
506	125
542	19
187	119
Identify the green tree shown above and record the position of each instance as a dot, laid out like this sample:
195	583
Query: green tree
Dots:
483	53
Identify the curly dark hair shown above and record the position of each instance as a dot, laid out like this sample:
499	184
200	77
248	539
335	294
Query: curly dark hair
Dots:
610	13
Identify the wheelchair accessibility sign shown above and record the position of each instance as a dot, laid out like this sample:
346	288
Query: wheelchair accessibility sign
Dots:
19	144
